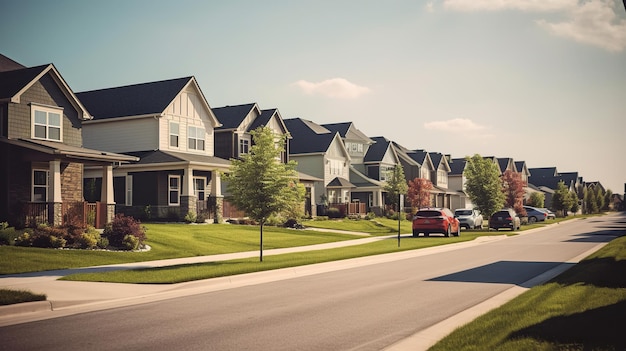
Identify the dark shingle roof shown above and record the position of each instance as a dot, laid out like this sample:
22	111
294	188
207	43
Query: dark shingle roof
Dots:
263	119
6	64
457	166
308	137
543	172
159	156
519	166
341	128
418	155
376	152
132	100
11	82
339	182
232	116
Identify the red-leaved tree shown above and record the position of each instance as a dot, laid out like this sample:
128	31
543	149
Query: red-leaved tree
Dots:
513	189
419	192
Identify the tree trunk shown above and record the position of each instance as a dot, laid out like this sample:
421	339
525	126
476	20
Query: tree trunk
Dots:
261	243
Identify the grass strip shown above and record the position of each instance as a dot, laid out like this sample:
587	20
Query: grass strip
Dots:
9	296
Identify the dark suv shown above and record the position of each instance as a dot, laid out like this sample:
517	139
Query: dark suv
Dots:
506	218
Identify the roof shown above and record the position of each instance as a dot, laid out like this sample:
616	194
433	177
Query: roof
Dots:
418	155
360	180
6	64
348	131
339	182
134	100
231	117
376	152
160	157
504	163
12	82
543	172
457	166
69	151
308	137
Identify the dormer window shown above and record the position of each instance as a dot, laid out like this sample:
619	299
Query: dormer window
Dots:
47	123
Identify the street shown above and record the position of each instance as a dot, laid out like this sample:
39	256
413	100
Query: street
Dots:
361	308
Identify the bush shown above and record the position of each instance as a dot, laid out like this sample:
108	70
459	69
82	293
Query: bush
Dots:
130	242
191	217
333	212
8	235
202	217
370	216
120	227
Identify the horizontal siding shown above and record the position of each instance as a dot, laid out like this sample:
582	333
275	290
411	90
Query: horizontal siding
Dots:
122	136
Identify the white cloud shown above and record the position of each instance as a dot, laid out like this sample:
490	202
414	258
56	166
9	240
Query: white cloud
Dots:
500	5
592	22
338	88
430	7
454	125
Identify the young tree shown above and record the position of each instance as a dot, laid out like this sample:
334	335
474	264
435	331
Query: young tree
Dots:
483	185
419	192
575	205
536	199
396	185
608	197
261	185
591	201
600	199
513	189
561	200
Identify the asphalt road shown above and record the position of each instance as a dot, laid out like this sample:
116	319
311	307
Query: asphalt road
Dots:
362	308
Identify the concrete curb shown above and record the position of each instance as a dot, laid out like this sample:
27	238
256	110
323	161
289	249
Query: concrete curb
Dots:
25	307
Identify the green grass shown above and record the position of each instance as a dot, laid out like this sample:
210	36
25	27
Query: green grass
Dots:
166	241
377	226
189	272
9	297
581	309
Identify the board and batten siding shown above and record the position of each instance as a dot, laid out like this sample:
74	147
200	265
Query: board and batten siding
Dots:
122	135
186	110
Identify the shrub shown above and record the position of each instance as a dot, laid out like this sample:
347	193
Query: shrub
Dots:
333	212
49	237
24	239
120	227
8	235
202	217
370	216
191	217
102	243
130	242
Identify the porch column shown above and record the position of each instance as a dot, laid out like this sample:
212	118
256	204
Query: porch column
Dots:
106	194
216	193
54	198
188	198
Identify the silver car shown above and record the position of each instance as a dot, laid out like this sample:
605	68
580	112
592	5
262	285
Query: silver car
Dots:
469	218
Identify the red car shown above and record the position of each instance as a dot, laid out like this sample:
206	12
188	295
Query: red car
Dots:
436	220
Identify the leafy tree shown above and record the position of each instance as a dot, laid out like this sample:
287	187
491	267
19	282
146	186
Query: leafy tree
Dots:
419	192
607	199
513	189
575	205
536	199
261	185
591	201
562	200
600	199
396	185
483	185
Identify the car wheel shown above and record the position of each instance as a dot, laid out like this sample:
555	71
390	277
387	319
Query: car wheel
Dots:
448	231
415	233
426	234
532	220
458	231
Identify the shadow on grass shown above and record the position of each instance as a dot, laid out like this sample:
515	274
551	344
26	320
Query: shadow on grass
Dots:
596	329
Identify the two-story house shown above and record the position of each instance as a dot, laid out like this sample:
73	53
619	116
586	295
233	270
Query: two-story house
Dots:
322	154
456	182
170	126
42	151
443	197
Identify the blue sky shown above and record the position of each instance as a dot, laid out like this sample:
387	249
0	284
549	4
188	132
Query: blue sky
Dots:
541	81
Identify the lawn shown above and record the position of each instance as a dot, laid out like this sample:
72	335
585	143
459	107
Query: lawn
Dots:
376	226
166	241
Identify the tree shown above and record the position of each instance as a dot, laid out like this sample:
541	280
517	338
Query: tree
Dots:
513	189
591	201
396	184
536	199
600	199
261	185
608	198
575	205
562	200
483	185
419	192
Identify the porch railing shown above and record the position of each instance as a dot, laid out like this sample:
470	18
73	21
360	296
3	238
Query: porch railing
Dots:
350	208
85	213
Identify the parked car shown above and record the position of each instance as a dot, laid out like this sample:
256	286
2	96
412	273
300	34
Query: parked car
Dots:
469	218
435	220
549	214
506	218
535	215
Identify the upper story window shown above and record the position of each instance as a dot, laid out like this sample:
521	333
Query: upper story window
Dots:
385	172
336	167
174	134
244	146
47	123
442	177
196	138
354	148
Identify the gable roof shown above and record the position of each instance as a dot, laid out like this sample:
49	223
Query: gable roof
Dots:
15	82
457	166
339	182
348	131
69	151
504	163
264	118
6	64
377	151
144	99
543	172
308	137
231	117
438	158
152	157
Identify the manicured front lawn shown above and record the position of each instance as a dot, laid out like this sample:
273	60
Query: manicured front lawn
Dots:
166	241
376	226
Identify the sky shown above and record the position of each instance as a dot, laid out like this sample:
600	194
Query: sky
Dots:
541	81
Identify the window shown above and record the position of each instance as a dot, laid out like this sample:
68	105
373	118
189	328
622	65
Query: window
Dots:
244	146
196	138
174	134
46	123
40	185
336	167
385	172
199	188
174	190
129	190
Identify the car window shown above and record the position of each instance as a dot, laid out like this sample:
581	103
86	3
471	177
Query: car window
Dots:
428	213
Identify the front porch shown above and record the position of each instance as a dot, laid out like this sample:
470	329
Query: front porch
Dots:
85	213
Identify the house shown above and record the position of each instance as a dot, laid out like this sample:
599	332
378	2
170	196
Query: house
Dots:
443	197
456	182
233	139
170	126
321	153
43	152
